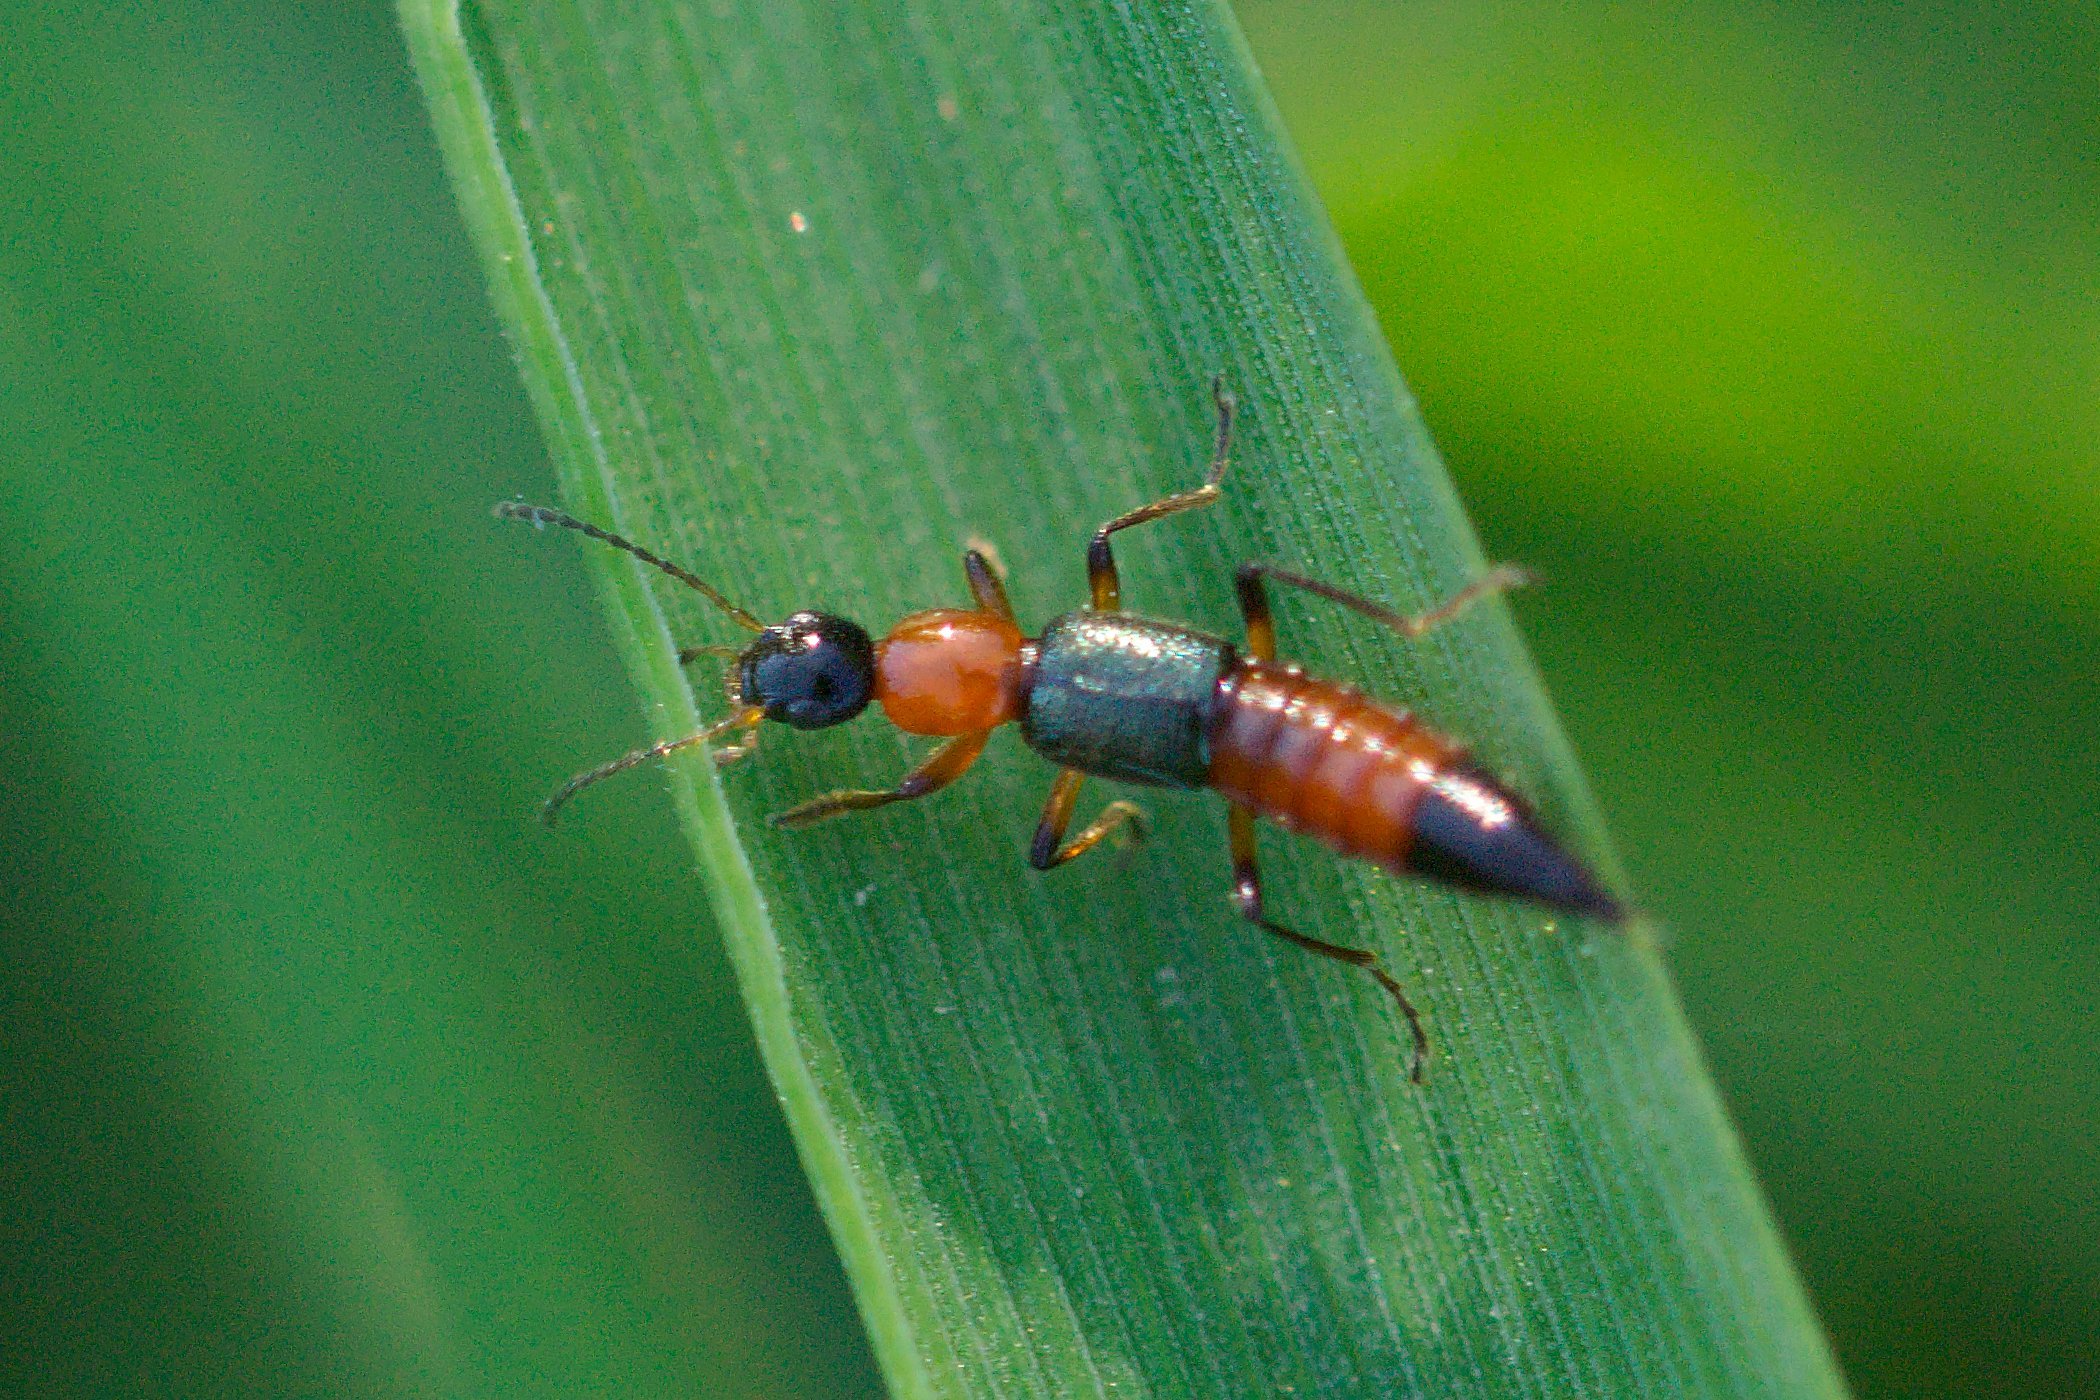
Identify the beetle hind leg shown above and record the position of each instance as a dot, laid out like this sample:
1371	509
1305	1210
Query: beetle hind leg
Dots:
1261	629
1246	894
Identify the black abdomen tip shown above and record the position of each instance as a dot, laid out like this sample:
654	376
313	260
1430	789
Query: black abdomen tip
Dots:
1469	832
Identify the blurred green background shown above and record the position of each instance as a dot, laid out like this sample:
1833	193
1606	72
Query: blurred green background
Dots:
1769	335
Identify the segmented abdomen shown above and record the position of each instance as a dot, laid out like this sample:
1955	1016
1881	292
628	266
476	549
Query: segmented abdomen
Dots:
1323	758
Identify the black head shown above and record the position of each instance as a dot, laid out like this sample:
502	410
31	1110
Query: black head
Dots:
810	672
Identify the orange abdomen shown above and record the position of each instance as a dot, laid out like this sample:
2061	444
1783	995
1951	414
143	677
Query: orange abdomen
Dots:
1323	758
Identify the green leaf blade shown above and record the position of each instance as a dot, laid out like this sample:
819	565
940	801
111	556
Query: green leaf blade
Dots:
807	298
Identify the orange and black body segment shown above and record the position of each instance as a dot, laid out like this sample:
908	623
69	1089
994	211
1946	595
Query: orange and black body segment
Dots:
1105	693
1372	782
1117	696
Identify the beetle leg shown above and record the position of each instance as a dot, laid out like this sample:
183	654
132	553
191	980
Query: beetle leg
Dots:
733	687
1246	893
1254	606
1101	576
1050	849
1261	630
987	583
742	748
944	766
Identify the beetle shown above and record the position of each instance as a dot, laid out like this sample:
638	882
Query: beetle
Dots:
1106	693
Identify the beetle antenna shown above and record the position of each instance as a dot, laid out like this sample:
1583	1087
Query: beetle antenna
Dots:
546	515
742	719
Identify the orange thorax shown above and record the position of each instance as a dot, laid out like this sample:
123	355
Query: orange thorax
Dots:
950	671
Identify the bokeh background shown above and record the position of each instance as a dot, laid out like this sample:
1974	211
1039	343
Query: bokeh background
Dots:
1769	334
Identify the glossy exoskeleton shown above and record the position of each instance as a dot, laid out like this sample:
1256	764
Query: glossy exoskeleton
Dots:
1107	693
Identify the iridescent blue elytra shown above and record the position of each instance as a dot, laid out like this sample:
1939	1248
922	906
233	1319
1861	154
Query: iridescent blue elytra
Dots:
1125	697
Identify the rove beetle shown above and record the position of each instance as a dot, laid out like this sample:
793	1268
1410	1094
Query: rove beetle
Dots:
1114	695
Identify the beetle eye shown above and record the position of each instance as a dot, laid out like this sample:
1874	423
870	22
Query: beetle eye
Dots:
812	671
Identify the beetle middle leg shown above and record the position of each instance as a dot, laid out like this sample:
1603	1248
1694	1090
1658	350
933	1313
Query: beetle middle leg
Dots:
944	766
1050	849
1101	578
1246	894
